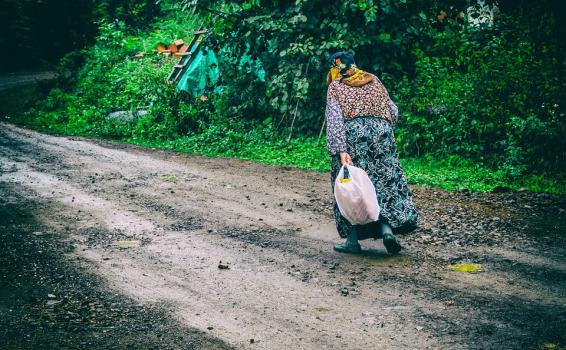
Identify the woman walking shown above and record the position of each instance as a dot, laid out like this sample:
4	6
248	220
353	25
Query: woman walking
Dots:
360	120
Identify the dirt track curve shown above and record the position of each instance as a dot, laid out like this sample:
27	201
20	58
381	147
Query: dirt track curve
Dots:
153	226
12	80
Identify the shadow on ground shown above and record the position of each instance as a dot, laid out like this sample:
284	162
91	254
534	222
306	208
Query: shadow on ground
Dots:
47	302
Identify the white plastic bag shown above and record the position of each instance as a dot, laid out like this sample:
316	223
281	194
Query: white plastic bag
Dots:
355	196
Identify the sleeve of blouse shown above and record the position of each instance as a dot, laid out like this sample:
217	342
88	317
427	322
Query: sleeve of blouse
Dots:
394	111
335	131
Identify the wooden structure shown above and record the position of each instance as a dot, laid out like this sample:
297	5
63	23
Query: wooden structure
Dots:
187	53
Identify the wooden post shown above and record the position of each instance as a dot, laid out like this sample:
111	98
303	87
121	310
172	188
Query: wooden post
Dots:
282	119
297	107
321	129
293	121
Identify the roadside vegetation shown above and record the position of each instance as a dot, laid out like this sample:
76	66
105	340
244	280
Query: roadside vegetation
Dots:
481	105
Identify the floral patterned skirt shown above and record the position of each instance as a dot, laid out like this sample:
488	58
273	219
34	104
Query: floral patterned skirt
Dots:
371	144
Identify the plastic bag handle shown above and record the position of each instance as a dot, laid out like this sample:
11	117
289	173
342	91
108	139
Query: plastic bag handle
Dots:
346	174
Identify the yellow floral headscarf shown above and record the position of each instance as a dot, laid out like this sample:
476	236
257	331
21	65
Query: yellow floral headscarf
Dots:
347	72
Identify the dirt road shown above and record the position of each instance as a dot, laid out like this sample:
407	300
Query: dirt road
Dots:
11	80
153	226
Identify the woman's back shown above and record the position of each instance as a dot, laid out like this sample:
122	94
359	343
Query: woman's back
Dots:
370	99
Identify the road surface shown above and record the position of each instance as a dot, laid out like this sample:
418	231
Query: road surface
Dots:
240	253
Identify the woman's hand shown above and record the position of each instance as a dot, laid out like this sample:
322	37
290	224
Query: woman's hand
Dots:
345	158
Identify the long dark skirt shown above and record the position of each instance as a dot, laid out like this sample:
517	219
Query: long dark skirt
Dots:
371	144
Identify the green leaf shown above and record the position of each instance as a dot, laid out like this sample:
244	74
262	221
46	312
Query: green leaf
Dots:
385	37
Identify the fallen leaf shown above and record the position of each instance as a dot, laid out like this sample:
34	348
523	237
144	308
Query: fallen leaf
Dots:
549	346
468	268
170	178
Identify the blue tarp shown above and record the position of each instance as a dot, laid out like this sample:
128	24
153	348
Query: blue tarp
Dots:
203	71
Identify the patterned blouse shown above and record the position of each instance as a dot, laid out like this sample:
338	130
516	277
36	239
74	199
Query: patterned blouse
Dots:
345	102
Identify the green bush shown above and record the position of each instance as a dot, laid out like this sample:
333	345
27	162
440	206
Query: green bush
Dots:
488	96
111	80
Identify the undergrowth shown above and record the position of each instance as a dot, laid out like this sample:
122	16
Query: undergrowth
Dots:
266	146
263	144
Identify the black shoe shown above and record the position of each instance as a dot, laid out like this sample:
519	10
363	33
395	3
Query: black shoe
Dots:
391	244
352	248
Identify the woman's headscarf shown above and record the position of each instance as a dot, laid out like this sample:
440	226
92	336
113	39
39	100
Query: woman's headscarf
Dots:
343	68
